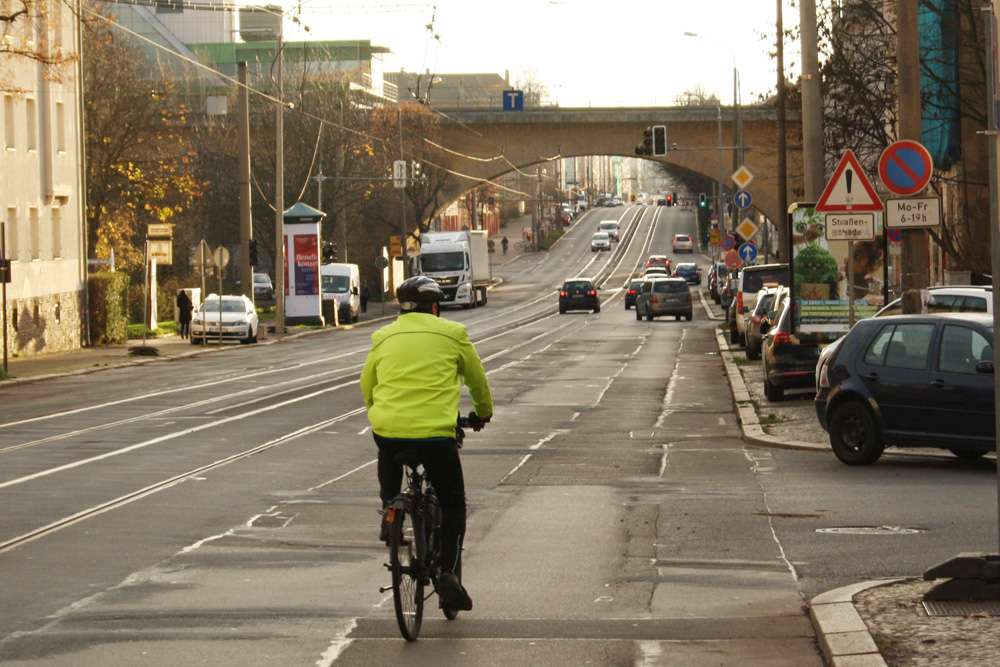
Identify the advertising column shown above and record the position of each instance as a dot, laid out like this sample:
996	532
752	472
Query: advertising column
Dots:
303	299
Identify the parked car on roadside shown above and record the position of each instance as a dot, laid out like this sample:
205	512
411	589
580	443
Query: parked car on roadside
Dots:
600	241
718	273
683	243
263	289
788	360
910	381
664	296
238	320
579	294
763	304
749	281
632	291
689	272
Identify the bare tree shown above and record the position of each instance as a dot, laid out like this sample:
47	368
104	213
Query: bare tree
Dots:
697	97
36	31
535	92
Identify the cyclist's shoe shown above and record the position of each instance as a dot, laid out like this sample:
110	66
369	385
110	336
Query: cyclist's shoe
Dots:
384	526
452	594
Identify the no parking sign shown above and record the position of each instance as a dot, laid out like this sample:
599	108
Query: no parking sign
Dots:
905	167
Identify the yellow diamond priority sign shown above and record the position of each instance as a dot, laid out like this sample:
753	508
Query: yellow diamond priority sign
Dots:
742	176
747	229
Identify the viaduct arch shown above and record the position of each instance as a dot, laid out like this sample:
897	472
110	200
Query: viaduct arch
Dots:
496	142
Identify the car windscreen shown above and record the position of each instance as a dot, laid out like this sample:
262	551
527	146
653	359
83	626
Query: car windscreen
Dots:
669	286
336	284
228	306
753	281
442	261
577	286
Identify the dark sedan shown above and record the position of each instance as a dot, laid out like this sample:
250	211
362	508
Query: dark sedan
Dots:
631	292
789	360
579	294
910	381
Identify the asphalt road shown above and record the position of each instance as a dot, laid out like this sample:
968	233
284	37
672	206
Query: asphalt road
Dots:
221	508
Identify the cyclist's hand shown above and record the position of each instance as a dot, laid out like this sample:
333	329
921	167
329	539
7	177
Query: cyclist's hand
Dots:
477	423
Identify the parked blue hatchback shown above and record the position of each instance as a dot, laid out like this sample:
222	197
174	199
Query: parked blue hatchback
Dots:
910	381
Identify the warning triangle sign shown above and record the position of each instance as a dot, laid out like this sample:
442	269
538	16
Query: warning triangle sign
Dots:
848	190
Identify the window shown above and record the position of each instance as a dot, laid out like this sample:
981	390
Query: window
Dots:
32	139
13	252
34	234
8	112
974	304
961	349
60	127
56	232
169	6
901	346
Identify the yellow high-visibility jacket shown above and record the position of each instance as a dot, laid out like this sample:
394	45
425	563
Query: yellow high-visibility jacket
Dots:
413	375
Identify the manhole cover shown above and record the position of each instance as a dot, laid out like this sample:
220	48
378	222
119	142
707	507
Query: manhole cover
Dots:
871	530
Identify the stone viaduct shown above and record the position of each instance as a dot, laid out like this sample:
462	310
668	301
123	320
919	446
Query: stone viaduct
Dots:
484	144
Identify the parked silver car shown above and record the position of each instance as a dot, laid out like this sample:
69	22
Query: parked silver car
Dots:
238	320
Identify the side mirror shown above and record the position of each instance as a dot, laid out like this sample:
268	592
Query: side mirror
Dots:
354	291
744	310
765	326
985	367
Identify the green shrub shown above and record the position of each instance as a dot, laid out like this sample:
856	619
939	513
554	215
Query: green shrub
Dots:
108	296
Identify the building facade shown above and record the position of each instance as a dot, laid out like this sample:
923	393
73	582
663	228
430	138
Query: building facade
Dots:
41	193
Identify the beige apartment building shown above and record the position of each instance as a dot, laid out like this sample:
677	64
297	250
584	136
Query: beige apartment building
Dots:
41	192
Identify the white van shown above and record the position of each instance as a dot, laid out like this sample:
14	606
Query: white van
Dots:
609	227
341	283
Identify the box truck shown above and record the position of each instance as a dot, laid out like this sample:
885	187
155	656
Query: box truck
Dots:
459	262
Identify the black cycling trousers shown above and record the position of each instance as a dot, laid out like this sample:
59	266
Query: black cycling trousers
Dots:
444	471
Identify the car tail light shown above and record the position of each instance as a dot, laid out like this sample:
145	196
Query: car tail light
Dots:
739	301
653	299
592	292
630	292
688	297
782	338
824	381
563	293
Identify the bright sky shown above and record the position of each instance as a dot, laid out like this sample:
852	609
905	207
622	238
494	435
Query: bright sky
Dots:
588	53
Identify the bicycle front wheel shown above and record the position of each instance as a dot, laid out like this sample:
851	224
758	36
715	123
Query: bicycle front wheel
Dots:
405	561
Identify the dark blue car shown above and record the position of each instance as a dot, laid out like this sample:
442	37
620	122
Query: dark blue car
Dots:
689	272
910	381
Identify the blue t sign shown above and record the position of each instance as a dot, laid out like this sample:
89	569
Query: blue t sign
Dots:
513	100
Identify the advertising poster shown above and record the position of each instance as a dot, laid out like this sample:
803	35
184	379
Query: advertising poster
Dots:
306	264
820	275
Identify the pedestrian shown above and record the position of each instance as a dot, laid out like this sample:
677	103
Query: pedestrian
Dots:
366	294
184	308
504	242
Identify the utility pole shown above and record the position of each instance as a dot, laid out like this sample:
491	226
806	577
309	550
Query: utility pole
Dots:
246	224
784	232
915	270
279	197
812	106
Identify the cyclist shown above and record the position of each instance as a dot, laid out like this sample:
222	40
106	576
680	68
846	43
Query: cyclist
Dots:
411	383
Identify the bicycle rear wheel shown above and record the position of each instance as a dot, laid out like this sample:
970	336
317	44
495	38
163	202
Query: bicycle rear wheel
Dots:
405	559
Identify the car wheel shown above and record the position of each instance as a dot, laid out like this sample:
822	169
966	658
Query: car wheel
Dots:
854	435
597	309
753	353
649	316
562	310
638	315
677	318
689	316
967	455
733	336
196	341
772	393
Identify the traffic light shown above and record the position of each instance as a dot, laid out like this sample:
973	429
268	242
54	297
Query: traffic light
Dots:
415	170
253	252
702	201
330	252
647	143
659	140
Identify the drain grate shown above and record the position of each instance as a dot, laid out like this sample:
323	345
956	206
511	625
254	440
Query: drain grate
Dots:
953	608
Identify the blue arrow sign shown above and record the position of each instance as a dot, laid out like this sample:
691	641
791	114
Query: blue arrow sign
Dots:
743	199
748	252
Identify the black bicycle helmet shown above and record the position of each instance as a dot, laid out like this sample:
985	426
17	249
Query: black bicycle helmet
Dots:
418	293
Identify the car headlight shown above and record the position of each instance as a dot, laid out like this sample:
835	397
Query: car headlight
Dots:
196	320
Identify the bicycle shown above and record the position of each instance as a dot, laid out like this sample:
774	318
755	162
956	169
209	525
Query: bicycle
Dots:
414	517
